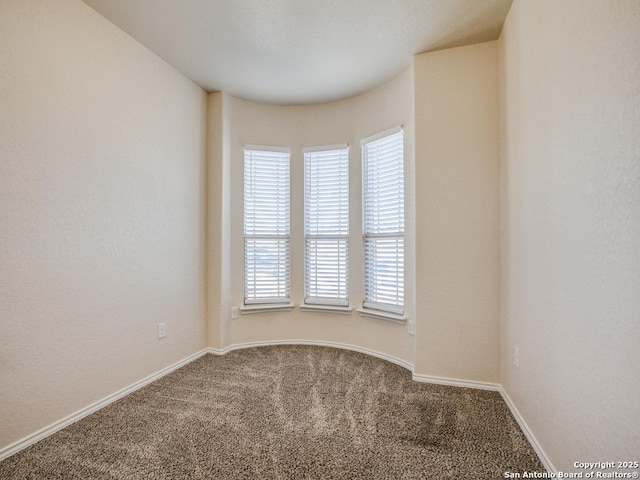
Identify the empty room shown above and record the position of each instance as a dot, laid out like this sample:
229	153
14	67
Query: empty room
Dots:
314	239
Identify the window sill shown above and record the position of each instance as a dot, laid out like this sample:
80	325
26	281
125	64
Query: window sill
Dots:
325	309
392	317
266	307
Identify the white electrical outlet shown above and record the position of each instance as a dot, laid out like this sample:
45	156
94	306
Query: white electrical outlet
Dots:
234	312
162	330
516	357
412	328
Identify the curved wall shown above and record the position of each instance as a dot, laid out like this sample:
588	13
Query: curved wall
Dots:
235	123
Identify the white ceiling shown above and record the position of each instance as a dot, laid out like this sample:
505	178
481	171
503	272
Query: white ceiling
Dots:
300	51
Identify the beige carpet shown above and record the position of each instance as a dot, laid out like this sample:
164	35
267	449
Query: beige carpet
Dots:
286	412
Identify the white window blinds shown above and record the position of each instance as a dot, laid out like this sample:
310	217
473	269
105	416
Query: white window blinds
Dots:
383	222
266	225
326	189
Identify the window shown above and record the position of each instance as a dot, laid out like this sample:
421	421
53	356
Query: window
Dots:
326	225
383	222
266	225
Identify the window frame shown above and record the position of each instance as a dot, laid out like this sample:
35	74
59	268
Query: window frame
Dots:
257	303
337	303
392	311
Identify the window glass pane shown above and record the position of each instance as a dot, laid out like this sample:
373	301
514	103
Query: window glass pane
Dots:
384	281
326	271
266	270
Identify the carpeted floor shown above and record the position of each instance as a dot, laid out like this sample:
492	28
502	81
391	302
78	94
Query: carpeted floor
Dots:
286	412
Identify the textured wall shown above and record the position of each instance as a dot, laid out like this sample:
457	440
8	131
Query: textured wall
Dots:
570	94
101	212
457	221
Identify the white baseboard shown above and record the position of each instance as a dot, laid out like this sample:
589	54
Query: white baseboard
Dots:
320	343
456	382
528	433
74	417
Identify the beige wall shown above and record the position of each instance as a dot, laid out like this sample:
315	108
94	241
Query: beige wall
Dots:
457	221
570	110
296	127
101	212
